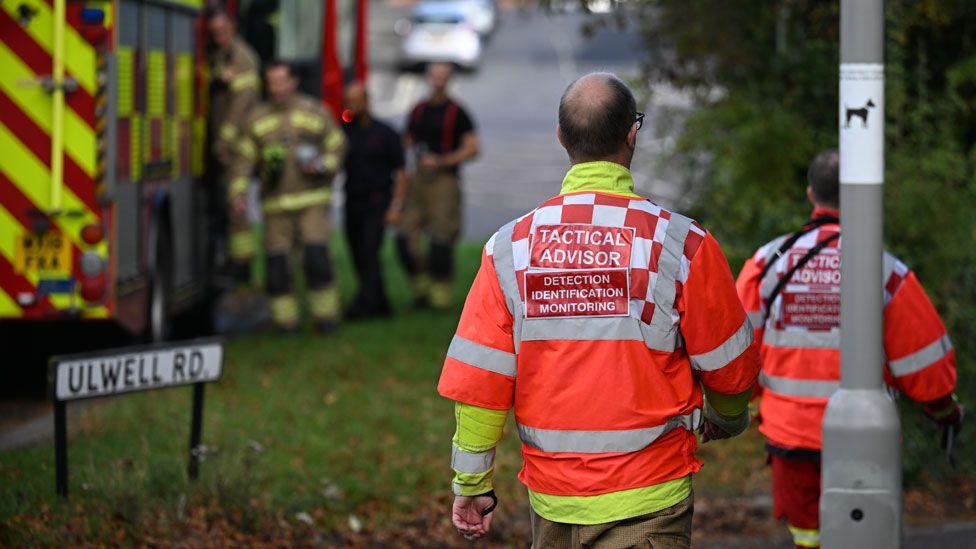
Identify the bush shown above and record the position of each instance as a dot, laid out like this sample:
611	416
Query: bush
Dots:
746	152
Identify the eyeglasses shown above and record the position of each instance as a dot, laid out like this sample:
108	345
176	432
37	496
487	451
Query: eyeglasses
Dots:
639	118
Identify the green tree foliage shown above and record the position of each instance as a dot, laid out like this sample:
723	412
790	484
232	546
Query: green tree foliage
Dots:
746	152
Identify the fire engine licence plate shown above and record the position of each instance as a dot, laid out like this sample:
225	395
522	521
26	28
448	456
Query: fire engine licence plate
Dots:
47	253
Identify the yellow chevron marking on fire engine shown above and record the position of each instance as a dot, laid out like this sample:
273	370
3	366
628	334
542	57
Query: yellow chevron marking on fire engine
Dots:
26	174
8	307
10	229
79	56
36	103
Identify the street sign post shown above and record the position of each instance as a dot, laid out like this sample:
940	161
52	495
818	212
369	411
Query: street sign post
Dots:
128	370
860	504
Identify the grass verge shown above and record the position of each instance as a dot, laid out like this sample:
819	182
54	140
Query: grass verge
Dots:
323	440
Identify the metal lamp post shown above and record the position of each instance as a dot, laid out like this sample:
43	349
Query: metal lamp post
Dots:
861	491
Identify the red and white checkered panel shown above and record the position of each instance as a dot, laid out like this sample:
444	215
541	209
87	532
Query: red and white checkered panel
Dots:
894	270
649	220
894	274
816	304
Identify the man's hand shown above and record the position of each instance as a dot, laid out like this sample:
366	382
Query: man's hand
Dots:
430	162
716	426
710	431
392	217
467	518
239	204
226	75
314	167
945	412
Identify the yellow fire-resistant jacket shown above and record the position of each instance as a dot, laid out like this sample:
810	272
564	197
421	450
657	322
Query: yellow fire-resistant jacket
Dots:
271	144
231	100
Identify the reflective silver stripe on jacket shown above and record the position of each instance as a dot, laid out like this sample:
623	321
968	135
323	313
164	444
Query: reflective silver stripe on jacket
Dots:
594	328
471	463
755	318
663	332
482	356
767	284
726	352
809	388
922	358
505	270
598	442
806	339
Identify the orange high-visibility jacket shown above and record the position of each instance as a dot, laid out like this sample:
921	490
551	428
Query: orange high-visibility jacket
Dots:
597	315
801	340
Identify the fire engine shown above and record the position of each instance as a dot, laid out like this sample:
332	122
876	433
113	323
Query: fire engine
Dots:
105	197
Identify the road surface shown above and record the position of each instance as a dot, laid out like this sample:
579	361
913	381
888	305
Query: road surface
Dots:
514	98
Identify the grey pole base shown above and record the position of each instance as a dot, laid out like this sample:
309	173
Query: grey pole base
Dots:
860	505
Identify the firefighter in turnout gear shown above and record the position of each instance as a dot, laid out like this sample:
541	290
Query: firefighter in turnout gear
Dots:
440	138
791	291
235	91
295	146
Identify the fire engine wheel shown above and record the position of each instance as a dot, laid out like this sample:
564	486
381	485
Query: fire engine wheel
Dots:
160	328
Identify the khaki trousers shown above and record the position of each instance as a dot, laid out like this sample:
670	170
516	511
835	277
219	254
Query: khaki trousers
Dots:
433	206
306	230
666	529
309	225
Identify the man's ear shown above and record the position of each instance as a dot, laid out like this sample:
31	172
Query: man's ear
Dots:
810	196
559	135
632	137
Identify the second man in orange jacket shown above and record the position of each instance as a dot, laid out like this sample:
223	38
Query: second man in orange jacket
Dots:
791	291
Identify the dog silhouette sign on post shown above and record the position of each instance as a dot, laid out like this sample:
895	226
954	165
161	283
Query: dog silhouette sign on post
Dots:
862	123
861	113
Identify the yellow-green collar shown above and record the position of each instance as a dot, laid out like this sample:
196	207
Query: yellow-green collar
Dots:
605	177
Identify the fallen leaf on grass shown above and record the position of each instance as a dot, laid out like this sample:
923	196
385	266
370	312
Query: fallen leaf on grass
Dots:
355	524
332	492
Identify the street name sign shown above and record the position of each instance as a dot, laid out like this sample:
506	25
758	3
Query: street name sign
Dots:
120	371
125	371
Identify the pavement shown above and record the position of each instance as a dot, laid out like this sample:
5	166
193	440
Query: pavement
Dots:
942	536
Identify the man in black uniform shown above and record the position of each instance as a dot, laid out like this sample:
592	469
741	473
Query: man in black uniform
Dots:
441	137
376	183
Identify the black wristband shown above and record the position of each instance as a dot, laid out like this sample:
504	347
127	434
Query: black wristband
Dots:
494	502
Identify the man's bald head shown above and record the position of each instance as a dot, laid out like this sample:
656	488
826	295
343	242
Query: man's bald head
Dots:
356	101
596	114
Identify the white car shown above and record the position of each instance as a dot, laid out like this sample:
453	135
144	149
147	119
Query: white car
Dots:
481	14
440	32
